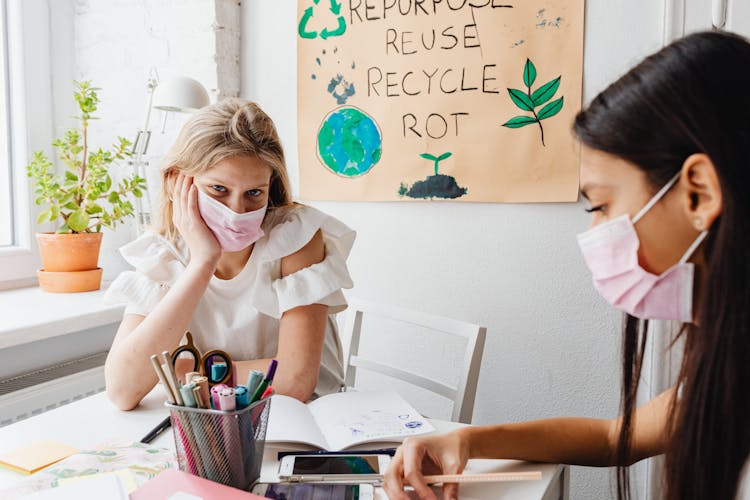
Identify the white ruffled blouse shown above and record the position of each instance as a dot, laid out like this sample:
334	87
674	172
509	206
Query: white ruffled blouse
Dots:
241	315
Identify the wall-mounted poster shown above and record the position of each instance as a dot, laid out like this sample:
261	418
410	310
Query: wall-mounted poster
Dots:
466	100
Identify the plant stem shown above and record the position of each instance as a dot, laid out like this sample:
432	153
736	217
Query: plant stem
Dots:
82	174
538	121
436	166
98	221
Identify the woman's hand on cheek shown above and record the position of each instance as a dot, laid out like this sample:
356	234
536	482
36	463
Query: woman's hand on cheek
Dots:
203	246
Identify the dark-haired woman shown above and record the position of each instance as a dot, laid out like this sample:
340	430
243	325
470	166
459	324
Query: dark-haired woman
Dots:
665	168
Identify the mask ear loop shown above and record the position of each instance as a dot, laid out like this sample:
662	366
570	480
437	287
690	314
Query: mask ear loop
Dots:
653	201
658	196
693	246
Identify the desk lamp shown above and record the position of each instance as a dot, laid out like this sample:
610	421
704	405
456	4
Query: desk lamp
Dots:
178	94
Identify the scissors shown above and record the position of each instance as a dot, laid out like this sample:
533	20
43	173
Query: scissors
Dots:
216	365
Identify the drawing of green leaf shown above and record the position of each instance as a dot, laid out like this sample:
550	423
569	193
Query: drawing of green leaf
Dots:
521	99
531	100
436	159
519	121
551	109
545	92
529	73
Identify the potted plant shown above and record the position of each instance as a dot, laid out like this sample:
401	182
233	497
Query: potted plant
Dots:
83	200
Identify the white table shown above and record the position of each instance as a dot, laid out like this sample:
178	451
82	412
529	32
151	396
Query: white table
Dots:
94	421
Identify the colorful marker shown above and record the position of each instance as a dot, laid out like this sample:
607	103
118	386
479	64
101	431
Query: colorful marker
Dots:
187	394
227	401
215	394
268	393
265	383
241	395
254	378
218	371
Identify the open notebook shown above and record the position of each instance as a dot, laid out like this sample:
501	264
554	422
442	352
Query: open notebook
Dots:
344	419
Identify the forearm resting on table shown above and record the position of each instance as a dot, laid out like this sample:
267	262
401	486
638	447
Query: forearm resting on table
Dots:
579	441
128	370
289	379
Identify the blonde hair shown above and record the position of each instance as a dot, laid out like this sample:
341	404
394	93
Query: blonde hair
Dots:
230	127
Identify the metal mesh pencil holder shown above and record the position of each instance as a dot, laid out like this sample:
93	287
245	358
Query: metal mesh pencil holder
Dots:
226	447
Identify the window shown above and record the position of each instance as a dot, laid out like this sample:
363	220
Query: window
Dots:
26	115
7	232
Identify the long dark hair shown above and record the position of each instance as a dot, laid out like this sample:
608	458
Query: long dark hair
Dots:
692	96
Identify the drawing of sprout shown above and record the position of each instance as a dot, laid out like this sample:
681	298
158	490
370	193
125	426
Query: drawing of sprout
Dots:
436	159
529	101
434	186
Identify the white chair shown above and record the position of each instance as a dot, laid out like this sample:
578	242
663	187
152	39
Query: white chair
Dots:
462	394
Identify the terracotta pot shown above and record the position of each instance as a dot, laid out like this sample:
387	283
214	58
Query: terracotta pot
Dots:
69	252
70	281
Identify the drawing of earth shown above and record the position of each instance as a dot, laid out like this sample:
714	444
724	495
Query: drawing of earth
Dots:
349	142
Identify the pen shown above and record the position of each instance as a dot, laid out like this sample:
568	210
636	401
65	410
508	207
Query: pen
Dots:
154	433
198	397
163	379
265	383
382	451
189	376
202	384
487	477
166	366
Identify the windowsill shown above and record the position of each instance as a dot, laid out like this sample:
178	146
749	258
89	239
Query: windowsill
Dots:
29	314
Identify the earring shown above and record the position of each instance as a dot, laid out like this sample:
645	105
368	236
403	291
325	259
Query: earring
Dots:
698	222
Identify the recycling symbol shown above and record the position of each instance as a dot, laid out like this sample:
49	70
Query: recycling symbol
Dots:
335	8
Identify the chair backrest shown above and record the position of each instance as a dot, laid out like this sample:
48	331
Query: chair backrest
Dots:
462	395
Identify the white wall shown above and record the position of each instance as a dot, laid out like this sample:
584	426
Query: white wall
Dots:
553	345
116	44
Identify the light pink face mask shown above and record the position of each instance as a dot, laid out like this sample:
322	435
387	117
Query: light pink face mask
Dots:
611	254
233	231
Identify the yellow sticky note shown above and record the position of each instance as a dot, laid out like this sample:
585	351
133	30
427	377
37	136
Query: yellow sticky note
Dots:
36	456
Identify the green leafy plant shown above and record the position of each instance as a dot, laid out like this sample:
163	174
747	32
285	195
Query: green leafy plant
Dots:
84	198
529	101
436	159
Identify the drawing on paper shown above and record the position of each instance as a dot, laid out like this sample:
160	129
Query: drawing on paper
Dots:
340	89
529	101
349	142
434	186
305	31
386	88
373	424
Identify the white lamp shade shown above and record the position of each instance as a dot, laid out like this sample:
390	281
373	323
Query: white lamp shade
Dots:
180	94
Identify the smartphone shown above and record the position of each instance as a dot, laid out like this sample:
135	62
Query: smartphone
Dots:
312	468
314	491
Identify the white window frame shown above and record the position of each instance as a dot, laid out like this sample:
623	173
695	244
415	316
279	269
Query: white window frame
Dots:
31	126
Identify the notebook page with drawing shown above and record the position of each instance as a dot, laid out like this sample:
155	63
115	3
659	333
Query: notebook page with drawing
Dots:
344	419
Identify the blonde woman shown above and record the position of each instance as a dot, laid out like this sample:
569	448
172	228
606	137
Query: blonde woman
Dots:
233	260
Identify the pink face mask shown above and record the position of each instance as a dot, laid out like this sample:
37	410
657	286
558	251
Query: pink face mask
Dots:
233	231
611	254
